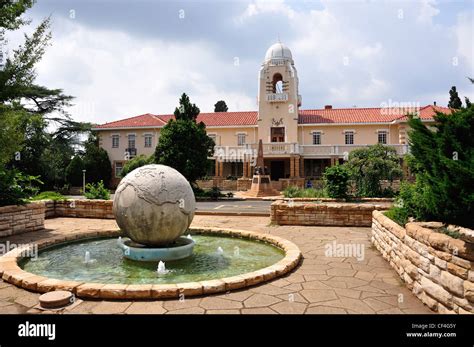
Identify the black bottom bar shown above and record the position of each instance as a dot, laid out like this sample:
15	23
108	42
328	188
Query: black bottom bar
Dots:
318	330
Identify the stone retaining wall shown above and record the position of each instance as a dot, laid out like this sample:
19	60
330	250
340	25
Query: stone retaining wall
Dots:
17	219
244	184
218	182
438	269
323	214
82	209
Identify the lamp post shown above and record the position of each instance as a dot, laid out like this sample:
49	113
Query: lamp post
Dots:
83	181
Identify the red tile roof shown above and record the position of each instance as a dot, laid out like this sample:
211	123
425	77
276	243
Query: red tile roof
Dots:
321	116
210	119
365	115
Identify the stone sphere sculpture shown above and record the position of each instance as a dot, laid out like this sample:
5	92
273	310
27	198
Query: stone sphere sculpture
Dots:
154	205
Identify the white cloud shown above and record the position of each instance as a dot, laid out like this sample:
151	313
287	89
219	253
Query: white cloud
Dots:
427	11
114	75
259	7
464	31
365	52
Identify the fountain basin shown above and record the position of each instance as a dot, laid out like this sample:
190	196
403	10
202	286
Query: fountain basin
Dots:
180	249
159	287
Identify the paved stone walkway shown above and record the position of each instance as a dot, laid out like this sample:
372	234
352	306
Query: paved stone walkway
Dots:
321	284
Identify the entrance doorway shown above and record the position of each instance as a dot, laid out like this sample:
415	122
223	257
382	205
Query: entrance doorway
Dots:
278	134
277	169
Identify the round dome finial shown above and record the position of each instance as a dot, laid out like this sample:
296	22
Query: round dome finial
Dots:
278	51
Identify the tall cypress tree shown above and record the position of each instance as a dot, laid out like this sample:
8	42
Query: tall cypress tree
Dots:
184	144
220	106
454	100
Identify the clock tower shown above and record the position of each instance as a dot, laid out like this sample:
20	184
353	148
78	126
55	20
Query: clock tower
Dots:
278	98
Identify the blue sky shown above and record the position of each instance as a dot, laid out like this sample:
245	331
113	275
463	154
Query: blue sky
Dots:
122	58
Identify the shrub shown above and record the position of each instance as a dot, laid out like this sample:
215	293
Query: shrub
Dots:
48	195
291	192
295	192
443	160
136	162
313	193
16	187
230	195
336	179
369	166
198	192
97	191
214	193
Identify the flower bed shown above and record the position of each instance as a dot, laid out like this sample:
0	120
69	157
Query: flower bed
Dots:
438	268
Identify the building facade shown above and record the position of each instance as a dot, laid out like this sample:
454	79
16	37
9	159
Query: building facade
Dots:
297	144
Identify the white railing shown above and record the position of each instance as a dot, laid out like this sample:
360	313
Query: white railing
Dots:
323	150
273	148
277	97
250	150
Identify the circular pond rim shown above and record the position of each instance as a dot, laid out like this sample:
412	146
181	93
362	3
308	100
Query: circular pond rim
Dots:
12	273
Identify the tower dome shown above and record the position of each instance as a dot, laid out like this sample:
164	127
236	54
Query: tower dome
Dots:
278	51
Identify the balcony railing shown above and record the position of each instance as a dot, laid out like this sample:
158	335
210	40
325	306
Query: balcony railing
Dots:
131	152
250	150
340	150
277	97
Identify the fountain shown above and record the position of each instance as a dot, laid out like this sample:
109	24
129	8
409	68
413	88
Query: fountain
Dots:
161	269
156	251
154	205
87	257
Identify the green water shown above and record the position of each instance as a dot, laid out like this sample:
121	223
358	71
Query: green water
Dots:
66	262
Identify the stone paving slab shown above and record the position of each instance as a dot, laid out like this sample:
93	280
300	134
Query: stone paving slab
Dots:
319	285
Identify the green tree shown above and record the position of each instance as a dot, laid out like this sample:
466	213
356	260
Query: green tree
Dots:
135	163
11	11
336	180
27	109
368	166
74	171
186	110
11	137
454	100
444	159
220	106
184	144
467	101
96	161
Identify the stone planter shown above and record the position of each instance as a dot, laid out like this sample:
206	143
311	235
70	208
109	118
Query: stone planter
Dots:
439	269
17	219
322	214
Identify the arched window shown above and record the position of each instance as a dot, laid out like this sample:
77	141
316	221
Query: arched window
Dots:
277	83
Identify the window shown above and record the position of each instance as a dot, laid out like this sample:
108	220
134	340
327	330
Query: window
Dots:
277	83
131	141
278	134
213	137
382	137
317	138
148	140
115	141
349	137
118	169
240	139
